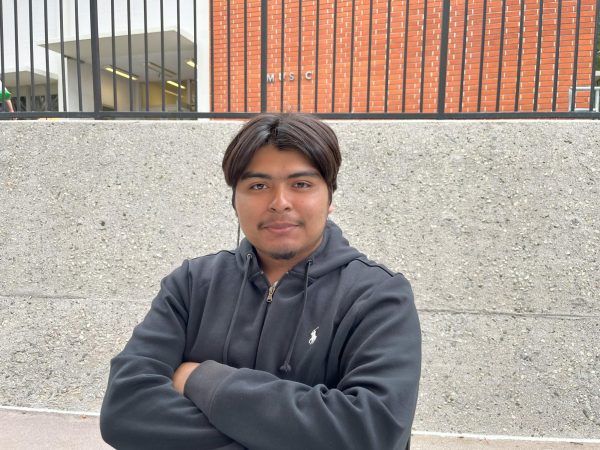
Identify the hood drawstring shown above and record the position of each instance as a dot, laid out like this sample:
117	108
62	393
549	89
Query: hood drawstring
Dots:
249	257
286	367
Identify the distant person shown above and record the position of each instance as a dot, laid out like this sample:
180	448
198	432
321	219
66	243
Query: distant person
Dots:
5	101
292	341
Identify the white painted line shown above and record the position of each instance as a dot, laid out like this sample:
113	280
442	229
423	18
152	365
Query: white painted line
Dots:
501	437
489	437
49	411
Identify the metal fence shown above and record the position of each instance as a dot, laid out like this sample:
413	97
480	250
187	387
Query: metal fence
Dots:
336	58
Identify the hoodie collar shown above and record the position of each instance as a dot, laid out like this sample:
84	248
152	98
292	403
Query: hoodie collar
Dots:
333	252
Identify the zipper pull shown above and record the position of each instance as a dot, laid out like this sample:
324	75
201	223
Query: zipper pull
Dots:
271	292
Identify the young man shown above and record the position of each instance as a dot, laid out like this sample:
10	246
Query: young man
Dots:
295	340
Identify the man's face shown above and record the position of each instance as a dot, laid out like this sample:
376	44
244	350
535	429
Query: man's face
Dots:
282	203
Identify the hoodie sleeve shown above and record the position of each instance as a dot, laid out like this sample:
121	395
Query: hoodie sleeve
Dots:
372	406
141	409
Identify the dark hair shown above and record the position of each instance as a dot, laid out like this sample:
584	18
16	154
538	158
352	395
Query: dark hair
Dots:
290	131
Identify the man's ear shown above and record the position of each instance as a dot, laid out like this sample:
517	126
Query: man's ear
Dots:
330	209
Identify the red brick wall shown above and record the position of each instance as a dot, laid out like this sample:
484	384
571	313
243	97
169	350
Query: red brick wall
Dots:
351	78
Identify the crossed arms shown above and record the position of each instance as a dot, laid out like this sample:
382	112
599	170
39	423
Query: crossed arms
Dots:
156	400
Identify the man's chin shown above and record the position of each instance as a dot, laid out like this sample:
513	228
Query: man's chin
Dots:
283	255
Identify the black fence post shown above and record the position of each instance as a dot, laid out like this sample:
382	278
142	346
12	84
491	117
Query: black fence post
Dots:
264	14
95	57
17	71
443	57
575	58
2	81
595	57
32	106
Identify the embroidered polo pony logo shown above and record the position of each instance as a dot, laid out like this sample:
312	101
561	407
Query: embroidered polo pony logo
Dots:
313	336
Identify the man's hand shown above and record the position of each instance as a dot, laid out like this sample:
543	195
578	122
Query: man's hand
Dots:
181	375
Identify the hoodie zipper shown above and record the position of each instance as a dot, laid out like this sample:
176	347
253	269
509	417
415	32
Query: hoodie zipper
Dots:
271	292
269	300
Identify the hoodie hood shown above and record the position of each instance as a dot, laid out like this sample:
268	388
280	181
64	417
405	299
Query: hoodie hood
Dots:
333	252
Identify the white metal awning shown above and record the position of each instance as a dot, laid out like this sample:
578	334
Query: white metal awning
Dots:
137	53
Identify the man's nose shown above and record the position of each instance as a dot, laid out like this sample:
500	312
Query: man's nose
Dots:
280	202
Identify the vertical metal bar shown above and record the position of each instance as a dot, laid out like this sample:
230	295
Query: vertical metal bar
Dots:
245	55
594	56
2	79
146	74
481	56
503	25
212	58
196	57
282	73
47	54
299	52
334	36
405	57
18	75
95	56
443	57
369	57
130	69
423	55
162	55
520	55
464	57
556	55
62	56
178	55
31	60
80	99
114	54
576	56
228	55
387	55
536	85
317	59
352	56
264	14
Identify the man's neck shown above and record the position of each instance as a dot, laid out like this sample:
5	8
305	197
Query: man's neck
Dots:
275	269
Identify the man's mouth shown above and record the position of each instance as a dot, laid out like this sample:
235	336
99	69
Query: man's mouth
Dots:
279	227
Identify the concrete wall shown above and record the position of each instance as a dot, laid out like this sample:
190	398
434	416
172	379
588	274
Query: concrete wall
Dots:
496	224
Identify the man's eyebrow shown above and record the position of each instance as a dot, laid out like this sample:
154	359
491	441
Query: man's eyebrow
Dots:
247	175
304	173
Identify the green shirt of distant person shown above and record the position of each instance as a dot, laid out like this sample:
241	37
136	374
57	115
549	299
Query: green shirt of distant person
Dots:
4	93
5	103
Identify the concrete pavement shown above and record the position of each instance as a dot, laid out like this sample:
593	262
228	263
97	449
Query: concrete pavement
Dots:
29	430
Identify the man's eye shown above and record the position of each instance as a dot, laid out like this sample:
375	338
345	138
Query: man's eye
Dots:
301	185
258	186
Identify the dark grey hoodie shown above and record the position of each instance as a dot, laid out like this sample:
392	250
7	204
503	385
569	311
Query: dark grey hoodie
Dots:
331	361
